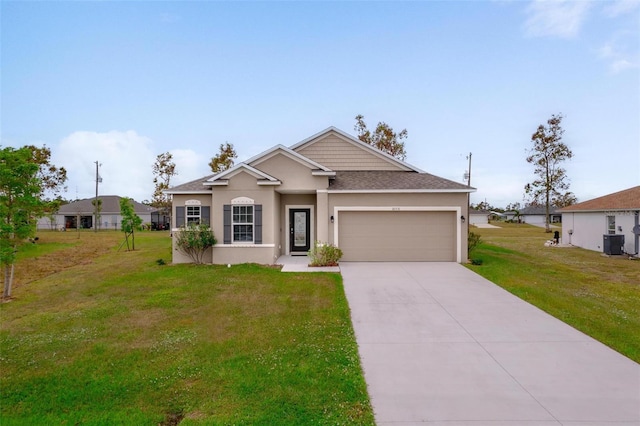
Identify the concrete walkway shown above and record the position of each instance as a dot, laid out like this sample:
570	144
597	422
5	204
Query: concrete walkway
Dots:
441	345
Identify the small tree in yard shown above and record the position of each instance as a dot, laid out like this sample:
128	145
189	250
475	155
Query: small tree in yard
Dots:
130	221
195	240
25	175
547	155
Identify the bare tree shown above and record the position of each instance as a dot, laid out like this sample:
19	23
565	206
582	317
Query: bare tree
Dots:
383	137
547	155
163	170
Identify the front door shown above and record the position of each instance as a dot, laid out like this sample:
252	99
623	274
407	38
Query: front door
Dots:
299	230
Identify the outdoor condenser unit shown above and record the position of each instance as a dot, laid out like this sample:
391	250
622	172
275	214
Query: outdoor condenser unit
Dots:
613	244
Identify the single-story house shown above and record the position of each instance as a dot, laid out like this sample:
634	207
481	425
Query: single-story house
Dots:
535	215
81	214
602	223
478	216
332	188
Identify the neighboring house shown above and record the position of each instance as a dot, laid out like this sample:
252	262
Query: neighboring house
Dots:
331	188
509	215
591	224
535	215
478	216
81	213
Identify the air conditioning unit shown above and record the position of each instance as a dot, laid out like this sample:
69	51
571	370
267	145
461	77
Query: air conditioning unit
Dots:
613	244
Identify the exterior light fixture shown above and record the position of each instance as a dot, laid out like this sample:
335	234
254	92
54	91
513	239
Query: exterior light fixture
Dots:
462	218
331	218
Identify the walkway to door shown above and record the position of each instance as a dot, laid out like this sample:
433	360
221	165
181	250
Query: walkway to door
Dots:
441	345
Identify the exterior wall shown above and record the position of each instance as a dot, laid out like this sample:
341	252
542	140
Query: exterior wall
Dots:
293	175
179	200
475	219
337	154
245	185
108	221
589	227
533	219
400	200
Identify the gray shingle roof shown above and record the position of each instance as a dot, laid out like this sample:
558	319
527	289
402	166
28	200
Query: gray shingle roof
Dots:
110	205
537	210
194	185
392	180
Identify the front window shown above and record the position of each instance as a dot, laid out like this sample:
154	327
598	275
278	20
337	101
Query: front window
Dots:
611	225
193	215
242	224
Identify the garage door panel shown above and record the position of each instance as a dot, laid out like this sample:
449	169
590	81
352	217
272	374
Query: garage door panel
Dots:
397	236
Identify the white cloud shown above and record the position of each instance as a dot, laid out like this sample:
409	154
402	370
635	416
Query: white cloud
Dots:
126	159
189	166
622	52
620	7
557	18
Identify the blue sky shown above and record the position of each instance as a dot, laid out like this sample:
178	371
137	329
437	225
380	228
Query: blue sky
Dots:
120	82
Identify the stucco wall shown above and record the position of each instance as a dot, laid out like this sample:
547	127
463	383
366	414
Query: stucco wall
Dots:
589	228
293	175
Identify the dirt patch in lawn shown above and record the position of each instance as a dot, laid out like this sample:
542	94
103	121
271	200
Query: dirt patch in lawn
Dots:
72	251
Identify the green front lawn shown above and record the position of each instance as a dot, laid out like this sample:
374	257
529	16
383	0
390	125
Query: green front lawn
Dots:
598	295
124	340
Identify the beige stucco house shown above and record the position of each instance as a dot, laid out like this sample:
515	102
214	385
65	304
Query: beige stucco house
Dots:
330	187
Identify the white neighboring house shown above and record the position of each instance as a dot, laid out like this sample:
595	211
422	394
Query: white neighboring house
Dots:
81	213
535	215
590	223
478	216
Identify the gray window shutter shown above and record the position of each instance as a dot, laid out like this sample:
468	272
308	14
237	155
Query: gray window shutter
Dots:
226	217
205	215
180	217
257	224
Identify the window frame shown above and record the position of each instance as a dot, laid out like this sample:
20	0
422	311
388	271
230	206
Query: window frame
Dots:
191	217
240	219
611	224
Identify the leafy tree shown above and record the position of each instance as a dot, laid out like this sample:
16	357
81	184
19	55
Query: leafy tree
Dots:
383	137
483	205
547	155
131	222
194	240
163	170
26	174
225	158
564	200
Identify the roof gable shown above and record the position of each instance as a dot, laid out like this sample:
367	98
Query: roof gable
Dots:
628	199
341	151
223	177
291	154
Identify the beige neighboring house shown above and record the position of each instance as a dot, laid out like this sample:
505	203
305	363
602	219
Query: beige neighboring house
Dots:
80	214
333	188
608	224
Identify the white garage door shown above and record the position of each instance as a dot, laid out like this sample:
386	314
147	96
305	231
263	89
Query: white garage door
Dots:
392	236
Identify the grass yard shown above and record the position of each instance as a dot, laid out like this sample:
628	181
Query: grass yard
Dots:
598	295
97	336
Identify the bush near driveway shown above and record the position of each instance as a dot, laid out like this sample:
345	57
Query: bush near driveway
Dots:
121	339
598	295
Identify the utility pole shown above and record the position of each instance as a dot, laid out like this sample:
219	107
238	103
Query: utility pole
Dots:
469	173
95	207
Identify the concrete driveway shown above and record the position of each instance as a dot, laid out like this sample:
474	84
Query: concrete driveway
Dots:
441	345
